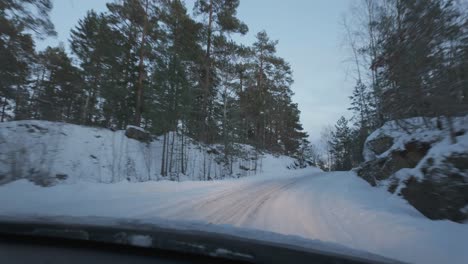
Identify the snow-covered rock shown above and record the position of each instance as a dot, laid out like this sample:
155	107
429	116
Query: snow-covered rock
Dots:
137	133
416	158
48	153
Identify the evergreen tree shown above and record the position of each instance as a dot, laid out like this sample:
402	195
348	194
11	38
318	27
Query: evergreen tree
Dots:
17	54
417	57
59	93
219	20
341	144
415	51
229	107
170	93
149	63
364	118
272	117
137	23
95	45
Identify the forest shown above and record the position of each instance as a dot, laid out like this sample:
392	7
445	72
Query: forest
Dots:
154	65
410	59
157	65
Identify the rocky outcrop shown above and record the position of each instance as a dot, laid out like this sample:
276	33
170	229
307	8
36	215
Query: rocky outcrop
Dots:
438	199
137	133
421	165
380	169
443	193
380	144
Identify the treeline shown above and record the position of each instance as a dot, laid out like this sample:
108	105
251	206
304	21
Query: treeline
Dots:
411	60
151	64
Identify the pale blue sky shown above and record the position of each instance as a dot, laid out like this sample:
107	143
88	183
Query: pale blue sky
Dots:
310	38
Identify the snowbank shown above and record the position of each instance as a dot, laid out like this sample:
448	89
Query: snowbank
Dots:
48	153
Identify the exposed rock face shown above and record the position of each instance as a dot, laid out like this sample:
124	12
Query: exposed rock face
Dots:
422	166
443	193
438	199
382	168
380	144
371	171
137	134
459	161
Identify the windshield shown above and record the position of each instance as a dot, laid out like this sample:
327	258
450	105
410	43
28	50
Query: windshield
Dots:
338	126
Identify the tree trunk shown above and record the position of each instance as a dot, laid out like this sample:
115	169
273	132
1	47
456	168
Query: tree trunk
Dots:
171	161
206	85
452	132
163	162
3	109
35	95
225	134
17	98
167	155
90	99
204	165
182	165
68	114
141	66
85	110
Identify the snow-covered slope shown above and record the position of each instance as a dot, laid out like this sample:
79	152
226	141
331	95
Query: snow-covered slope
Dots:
49	152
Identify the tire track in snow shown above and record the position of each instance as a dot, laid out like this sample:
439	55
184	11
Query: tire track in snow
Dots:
236	206
246	207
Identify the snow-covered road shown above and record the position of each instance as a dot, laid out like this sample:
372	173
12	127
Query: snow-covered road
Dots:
239	205
332	207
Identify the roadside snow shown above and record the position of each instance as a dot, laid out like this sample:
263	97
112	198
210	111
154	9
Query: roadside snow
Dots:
45	150
305	205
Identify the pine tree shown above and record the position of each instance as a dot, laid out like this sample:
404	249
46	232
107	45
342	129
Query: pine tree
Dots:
229	107
219	20
416	56
415	51
59	93
17	54
341	144
170	96
137	23
273	119
365	118
92	43
29	15
149	63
